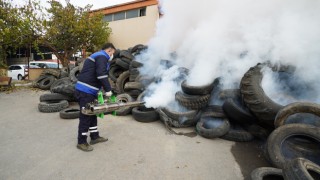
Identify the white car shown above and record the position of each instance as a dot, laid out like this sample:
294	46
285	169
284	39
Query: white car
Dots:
45	64
17	71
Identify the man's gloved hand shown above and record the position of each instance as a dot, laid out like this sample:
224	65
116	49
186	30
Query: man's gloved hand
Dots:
108	94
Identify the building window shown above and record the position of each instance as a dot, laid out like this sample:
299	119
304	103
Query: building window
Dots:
132	13
108	17
119	16
142	12
125	14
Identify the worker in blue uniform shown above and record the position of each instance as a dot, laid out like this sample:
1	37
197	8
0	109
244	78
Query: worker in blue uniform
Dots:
93	77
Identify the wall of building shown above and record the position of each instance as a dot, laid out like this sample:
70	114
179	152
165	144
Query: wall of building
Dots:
129	32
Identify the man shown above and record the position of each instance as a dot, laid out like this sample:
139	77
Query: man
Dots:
93	76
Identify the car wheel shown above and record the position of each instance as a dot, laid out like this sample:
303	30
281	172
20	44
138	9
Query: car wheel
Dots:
19	77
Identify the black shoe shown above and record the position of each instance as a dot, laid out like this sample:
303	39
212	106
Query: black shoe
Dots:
98	140
85	147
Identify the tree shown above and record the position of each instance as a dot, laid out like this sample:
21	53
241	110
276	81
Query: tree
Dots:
68	29
18	26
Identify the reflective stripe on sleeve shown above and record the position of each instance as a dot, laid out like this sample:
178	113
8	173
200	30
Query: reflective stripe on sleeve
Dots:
85	84
93	131
101	77
91	59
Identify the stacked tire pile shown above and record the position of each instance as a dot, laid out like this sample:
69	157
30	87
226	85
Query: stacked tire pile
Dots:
292	145
61	92
129	84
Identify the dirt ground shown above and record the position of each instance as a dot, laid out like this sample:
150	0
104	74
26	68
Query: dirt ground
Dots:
36	145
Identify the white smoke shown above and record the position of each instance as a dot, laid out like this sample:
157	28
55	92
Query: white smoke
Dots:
224	38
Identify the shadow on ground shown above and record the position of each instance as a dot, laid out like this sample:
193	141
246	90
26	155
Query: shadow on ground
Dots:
249	156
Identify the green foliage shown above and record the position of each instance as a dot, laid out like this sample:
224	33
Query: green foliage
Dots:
18	25
69	29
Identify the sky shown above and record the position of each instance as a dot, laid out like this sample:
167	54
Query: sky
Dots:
97	4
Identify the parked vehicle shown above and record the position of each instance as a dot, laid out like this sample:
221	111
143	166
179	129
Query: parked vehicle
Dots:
17	71
45	64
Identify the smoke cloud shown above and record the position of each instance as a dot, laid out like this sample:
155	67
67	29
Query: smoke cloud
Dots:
224	38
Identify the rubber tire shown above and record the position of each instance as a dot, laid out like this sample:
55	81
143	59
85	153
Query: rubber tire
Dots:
262	172
124	98
294	108
192	101
254	97
127	54
122	64
140	99
54	72
46	82
36	82
137	47
229	93
74	73
257	131
59	82
299	168
237	112
52	106
279	135
133	86
54	97
238	134
189	118
69	113
115	72
213	111
145	115
145	80
136	64
196	90
214	132
121	81
65	89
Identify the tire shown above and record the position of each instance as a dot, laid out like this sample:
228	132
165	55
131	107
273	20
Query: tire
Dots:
126	60
254	97
257	131
140	99
134	71
124	98
276	144
213	111
132	78
145	115
53	72
74	73
196	90
115	72
133	86
192	101
134	93
264	172
121	81
182	119
19	77
216	127
63	81
36	82
300	168
229	93
236	112
137	48
65	89
122	64
52	106
237	134
136	64
298	107
69	113
54	97
127	54
46	82
63	74
145	80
